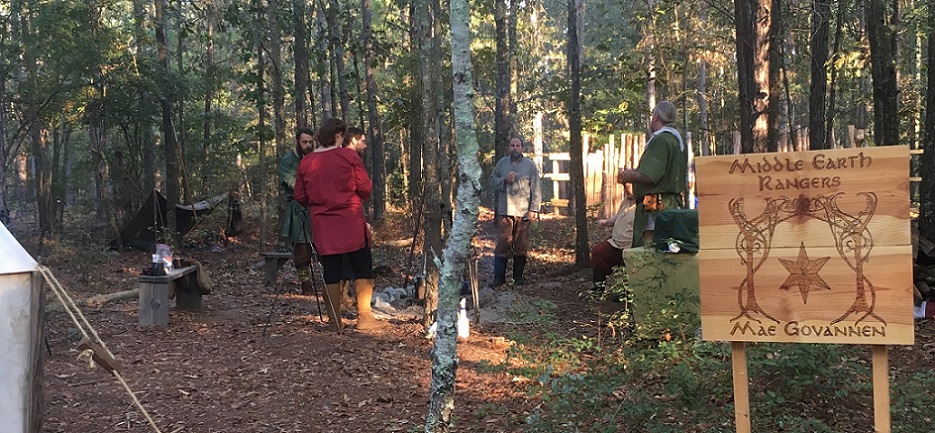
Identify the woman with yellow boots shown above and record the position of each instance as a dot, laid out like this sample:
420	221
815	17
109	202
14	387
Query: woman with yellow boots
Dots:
332	183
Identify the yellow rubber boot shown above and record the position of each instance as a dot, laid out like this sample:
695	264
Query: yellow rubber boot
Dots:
333	305
364	289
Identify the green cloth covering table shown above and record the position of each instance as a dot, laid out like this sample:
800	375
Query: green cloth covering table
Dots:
665	292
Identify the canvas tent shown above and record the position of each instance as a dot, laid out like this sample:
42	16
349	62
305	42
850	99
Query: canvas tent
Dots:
20	337
140	233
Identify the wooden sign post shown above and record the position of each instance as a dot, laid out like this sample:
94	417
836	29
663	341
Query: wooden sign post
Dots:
806	247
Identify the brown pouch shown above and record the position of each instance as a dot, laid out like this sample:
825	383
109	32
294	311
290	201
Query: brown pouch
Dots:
652	202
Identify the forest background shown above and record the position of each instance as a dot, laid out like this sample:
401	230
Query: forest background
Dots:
102	101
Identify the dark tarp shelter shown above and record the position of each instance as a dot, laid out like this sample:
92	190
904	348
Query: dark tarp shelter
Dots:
140	233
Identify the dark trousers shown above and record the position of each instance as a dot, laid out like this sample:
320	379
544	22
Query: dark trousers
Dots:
512	236
604	258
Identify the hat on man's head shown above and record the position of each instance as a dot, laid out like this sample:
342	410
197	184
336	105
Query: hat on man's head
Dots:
666	111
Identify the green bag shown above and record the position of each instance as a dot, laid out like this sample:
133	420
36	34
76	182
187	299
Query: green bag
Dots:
676	231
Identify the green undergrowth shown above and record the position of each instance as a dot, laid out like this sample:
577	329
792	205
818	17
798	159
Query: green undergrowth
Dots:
649	383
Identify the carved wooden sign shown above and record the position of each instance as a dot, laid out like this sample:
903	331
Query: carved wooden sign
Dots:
810	247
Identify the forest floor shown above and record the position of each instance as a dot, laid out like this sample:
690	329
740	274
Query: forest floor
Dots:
258	358
225	370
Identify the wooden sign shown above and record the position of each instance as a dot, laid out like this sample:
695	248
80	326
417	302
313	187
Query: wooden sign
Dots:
810	247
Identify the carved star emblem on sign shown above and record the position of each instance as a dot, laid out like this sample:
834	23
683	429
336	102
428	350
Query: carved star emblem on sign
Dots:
804	273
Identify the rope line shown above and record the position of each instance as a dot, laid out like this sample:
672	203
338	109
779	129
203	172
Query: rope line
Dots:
72	309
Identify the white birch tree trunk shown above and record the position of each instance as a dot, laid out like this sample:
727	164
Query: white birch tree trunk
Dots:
444	353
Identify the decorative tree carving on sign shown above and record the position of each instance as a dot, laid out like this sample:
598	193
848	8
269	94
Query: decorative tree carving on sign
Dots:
852	239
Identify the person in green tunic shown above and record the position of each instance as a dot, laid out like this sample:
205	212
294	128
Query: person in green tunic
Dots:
660	180
295	221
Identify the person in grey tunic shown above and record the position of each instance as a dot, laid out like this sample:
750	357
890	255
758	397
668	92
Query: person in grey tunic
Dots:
515	181
295	220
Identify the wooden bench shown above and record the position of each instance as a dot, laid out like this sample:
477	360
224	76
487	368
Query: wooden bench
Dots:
154	295
274	260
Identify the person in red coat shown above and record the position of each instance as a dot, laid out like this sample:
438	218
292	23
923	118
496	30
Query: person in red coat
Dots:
332	183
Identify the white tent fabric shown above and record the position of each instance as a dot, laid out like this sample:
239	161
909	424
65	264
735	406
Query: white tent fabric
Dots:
17	305
15	258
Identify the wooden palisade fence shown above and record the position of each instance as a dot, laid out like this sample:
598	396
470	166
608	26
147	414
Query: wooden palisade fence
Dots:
624	151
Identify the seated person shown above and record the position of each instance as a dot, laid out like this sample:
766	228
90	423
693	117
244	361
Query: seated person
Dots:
607	255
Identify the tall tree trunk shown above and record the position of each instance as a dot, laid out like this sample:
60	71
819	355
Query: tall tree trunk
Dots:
144	121
211	16
914	138
97	134
818	90
37	138
338	41
300	58
182	130
60	151
324	61
649	59
42	173
359	97
376	133
444	352
42	176
95	115
170	149
582	249
746	86
883	66
442	122
415	125
702	89
776	126
332	70
537	49
763	24
433	158
415	149
261	144
864	82
503	101
511	35
785	103
829	114
278	91
927	164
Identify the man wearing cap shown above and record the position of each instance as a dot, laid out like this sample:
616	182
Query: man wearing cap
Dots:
660	180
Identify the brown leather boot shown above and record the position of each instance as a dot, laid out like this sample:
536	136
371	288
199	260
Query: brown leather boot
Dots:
333	306
365	320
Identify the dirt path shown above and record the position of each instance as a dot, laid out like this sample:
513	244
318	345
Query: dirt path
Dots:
225	370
